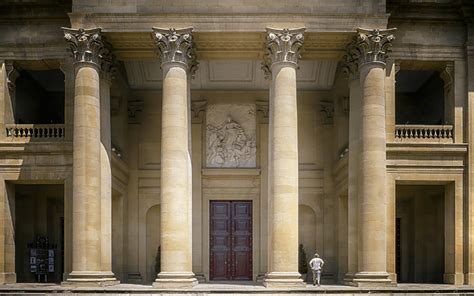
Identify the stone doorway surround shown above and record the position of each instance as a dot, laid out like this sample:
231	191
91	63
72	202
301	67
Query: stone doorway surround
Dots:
231	184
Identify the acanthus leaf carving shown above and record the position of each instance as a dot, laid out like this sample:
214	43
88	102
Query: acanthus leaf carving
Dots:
373	45
86	45
282	45
177	46
109	68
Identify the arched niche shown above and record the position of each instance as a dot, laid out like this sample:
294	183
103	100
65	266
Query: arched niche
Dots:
152	241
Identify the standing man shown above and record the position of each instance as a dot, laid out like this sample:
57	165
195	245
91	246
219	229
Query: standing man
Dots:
316	264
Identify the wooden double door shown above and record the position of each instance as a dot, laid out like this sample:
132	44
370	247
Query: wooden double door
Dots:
230	240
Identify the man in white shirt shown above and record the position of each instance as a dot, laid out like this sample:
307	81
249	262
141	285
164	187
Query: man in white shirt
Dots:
316	264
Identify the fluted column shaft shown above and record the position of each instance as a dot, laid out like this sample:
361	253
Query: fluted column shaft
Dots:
88	49
176	227
282	58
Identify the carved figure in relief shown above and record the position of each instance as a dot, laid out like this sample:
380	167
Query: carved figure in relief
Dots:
229	145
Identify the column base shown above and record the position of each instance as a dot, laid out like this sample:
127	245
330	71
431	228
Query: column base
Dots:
91	278
469	279
453	278
7	278
283	280
175	280
368	279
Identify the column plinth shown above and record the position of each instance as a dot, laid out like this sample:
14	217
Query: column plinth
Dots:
176	228
87	268
282	61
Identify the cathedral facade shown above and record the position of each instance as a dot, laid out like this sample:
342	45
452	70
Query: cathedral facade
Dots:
171	143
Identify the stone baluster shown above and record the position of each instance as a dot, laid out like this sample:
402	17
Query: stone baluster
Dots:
88	48
280	63
178	62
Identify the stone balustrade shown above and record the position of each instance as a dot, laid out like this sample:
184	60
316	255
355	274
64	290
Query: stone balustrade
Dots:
424	133
37	131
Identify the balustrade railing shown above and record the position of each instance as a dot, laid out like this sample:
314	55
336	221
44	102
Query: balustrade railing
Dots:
424	133
39	131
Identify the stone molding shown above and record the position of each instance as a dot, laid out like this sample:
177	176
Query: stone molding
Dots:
176	46
86	45
373	45
282	46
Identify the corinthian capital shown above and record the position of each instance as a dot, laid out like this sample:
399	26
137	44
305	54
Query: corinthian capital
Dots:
108	63
86	45
373	45
282	45
176	46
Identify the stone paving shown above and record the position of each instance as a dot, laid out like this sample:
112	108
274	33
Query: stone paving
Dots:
227	288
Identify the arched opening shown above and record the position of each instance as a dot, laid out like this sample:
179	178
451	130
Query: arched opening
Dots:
307	230
152	242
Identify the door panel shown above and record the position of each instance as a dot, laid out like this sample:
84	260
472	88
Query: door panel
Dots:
231	240
220	240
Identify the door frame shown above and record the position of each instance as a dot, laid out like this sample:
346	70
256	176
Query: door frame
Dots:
248	191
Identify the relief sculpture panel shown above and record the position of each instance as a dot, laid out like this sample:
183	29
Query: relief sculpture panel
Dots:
231	130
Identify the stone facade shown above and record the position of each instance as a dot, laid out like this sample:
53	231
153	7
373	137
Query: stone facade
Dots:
347	127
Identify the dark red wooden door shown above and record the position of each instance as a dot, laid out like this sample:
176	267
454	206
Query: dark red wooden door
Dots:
231	240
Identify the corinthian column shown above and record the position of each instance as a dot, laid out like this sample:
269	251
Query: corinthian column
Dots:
178	61
371	47
87	48
281	61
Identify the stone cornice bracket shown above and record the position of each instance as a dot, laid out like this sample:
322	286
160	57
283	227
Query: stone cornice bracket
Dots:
134	108
374	45
327	110
176	46
263	108
282	46
86	45
198	108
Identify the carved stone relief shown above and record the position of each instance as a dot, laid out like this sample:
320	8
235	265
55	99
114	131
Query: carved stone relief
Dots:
231	130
